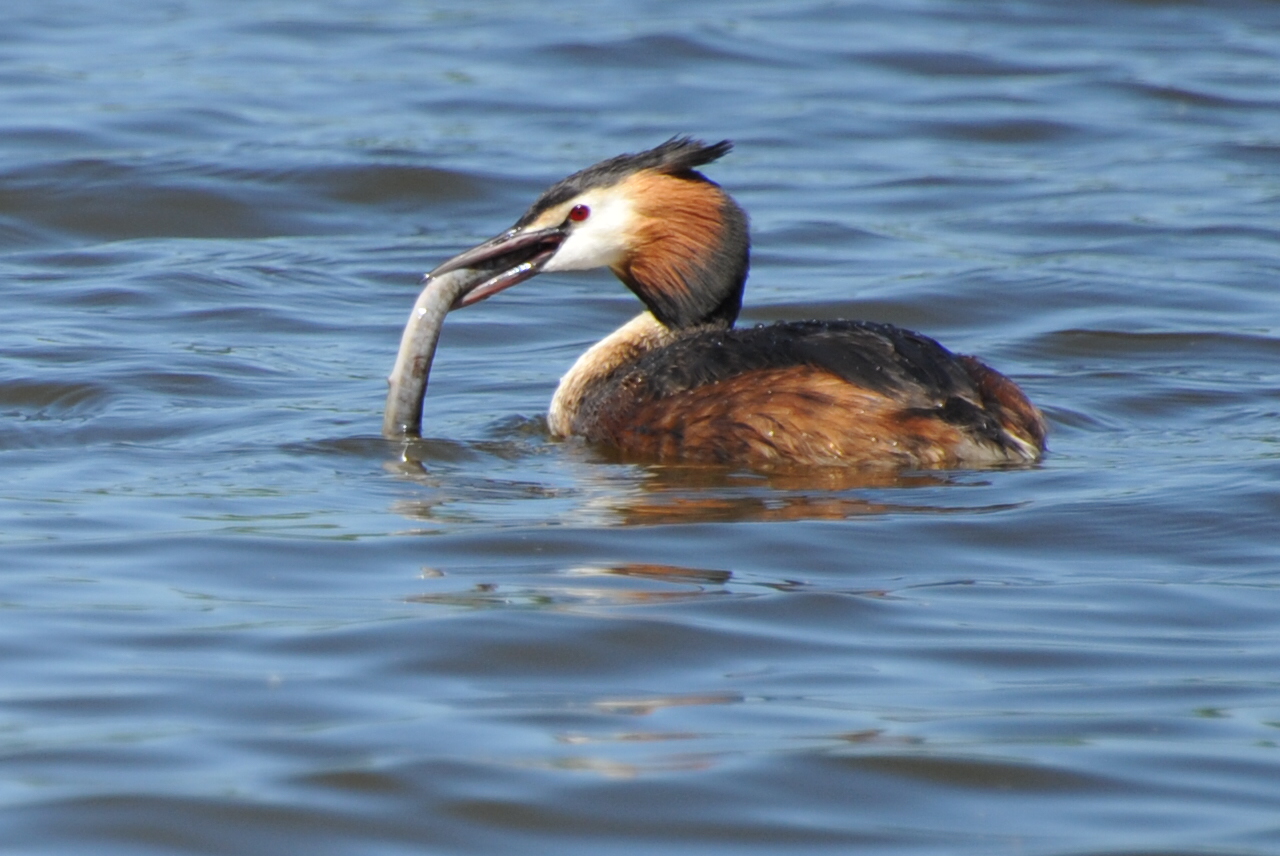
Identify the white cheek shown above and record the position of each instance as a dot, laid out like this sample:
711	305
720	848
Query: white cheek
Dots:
599	241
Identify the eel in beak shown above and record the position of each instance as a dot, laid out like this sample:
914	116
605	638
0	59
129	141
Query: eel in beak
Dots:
469	277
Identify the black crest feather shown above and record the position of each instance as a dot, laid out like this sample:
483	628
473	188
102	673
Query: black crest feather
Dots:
676	156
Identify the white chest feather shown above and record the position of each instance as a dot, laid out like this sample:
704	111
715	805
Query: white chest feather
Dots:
638	336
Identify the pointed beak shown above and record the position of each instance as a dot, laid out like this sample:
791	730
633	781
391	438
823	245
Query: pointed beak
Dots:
502	261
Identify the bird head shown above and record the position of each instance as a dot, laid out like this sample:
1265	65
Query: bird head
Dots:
673	236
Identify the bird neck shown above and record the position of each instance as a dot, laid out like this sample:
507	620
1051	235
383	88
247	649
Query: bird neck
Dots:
640	335
689	258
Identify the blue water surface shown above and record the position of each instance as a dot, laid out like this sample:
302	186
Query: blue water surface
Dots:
235	620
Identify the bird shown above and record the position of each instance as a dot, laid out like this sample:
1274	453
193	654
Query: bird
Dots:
679	382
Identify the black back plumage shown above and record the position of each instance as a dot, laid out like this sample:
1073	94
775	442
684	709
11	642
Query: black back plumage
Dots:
925	377
880	357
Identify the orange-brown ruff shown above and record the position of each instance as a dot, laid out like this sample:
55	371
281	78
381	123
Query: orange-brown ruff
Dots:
680	383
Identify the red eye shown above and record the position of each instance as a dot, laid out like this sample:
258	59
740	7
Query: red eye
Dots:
579	213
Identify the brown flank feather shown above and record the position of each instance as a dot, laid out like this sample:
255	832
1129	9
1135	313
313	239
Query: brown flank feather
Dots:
794	415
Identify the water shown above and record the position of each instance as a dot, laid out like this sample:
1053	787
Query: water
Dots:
233	619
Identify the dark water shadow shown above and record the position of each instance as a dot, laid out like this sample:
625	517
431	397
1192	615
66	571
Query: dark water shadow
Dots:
814	500
584	587
637	494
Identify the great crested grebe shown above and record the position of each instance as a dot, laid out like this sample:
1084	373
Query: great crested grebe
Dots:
679	382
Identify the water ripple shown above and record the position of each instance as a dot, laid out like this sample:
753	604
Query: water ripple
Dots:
237	619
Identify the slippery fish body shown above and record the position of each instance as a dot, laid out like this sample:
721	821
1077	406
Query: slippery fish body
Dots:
467	278
408	380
